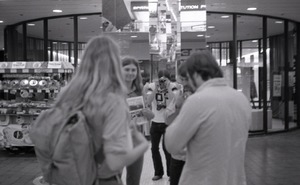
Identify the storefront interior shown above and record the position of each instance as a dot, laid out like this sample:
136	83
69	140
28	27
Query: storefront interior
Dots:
259	53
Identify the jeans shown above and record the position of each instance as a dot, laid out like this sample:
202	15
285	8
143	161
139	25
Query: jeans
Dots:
134	172
176	167
157	130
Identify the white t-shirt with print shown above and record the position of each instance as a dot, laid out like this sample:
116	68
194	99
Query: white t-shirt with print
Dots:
160	115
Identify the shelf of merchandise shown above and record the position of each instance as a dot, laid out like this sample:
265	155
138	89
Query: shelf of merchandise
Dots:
18	111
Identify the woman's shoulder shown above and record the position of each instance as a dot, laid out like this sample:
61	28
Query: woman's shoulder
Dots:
107	100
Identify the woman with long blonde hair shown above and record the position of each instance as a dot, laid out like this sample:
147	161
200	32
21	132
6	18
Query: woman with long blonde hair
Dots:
99	90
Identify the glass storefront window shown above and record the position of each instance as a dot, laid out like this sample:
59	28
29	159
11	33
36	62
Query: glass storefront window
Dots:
276	54
88	27
150	45
19	43
59	44
250	65
292	50
35	41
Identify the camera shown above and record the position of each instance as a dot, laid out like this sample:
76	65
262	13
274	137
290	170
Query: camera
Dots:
161	104
162	82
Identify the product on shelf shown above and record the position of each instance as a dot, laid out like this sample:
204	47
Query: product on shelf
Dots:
27	89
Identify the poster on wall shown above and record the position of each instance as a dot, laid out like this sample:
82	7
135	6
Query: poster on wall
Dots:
276	85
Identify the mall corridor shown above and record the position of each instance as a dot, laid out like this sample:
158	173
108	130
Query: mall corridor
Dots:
270	160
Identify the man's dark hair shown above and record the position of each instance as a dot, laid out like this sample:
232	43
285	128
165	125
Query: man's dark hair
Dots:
164	73
182	70
203	63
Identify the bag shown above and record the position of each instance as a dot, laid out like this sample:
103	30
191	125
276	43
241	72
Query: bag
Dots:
64	148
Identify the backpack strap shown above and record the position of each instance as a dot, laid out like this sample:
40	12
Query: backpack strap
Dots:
65	122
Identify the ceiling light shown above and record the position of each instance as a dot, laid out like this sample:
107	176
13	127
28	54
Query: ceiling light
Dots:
225	16
1	21
254	40
30	24
251	9
83	18
278	22
210	26
54	42
207	36
200	35
133	36
57	11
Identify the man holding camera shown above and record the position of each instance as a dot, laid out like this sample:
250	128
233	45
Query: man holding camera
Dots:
160	96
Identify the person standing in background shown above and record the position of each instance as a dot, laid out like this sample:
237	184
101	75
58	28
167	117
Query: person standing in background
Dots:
160	96
213	125
178	160
133	81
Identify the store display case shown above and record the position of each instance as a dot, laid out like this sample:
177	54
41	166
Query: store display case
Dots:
27	89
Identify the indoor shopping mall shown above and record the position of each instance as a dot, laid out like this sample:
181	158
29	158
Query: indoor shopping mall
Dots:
255	43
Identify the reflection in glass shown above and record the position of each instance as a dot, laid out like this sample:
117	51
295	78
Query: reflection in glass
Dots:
19	43
275	55
58	45
219	29
35	41
292	50
219	32
249	65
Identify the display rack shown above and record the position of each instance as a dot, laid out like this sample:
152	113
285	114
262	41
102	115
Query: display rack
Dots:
27	89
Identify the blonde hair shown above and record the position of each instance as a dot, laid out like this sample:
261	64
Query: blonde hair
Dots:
99	74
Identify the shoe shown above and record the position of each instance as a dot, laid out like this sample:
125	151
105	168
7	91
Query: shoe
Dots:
156	177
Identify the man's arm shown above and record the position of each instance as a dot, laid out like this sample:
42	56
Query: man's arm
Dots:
184	127
149	92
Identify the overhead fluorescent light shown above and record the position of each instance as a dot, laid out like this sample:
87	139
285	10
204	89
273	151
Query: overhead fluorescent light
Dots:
254	40
133	36
207	36
200	35
251	9
1	21
225	16
30	24
278	22
57	11
210	26
83	18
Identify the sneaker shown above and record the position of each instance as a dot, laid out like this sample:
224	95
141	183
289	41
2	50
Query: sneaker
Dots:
156	177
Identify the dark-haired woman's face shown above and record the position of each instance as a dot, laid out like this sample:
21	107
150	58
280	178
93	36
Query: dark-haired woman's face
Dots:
130	72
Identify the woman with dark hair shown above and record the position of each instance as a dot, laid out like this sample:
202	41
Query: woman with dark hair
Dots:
133	81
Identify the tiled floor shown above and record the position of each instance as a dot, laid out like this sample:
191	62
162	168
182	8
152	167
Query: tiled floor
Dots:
270	160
